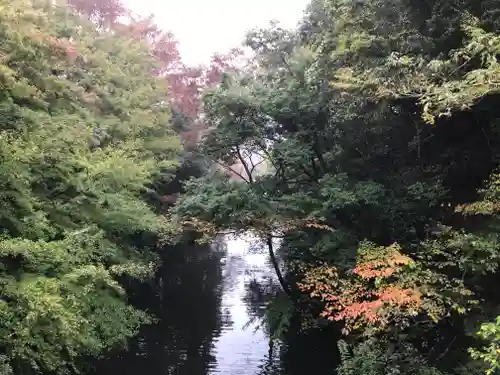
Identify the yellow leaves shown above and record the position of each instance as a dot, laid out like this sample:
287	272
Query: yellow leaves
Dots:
382	268
318	226
479	208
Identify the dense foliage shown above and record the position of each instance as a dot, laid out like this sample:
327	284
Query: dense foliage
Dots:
84	130
377	124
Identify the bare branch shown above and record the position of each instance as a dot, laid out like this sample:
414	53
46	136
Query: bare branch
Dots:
244	164
232	171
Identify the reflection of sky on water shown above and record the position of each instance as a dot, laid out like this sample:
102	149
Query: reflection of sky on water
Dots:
240	349
204	304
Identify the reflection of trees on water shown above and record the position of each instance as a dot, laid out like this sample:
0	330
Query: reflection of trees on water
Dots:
187	302
234	265
226	320
271	364
259	293
295	353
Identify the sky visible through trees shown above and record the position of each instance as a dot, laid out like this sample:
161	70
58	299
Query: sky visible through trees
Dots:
377	200
201	27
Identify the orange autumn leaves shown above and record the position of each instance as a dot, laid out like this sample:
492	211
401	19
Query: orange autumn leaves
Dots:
372	293
374	311
391	261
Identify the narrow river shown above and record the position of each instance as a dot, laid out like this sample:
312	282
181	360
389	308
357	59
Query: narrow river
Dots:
207	304
241	348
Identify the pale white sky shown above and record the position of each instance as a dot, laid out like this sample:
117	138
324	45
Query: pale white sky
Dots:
203	27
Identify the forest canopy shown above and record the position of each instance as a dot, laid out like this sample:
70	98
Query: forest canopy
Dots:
360	148
85	129
377	124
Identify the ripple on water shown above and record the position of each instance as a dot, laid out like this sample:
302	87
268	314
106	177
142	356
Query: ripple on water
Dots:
240	348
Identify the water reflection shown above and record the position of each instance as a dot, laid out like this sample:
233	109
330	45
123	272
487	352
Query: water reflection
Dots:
240	348
187	302
204	299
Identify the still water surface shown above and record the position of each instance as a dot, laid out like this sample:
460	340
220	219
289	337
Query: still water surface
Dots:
203	303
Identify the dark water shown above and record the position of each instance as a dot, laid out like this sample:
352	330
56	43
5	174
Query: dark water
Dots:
203	302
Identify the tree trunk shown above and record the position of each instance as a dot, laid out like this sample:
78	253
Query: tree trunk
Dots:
274	261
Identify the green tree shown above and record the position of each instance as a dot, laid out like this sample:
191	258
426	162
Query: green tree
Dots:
378	123
84	130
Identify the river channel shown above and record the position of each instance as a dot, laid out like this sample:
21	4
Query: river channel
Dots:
206	306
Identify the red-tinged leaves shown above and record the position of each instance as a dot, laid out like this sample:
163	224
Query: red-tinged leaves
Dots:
377	292
186	83
221	63
393	262
103	12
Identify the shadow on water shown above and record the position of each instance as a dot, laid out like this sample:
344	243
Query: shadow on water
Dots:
204	298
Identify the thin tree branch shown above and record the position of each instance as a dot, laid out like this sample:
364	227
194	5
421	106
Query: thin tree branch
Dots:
231	170
244	164
275	264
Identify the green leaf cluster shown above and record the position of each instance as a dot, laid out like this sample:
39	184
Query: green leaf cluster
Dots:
84	129
378	122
